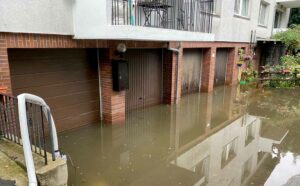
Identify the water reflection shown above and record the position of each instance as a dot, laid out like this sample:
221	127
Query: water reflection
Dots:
208	139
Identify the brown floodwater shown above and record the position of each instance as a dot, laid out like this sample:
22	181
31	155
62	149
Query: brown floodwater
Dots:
231	136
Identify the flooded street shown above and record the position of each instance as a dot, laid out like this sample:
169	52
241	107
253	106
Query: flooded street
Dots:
228	137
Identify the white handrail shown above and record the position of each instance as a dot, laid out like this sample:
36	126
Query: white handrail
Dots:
22	99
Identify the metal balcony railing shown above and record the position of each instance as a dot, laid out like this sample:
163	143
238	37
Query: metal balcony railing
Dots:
187	15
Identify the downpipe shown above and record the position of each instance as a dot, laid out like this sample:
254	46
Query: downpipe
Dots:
178	52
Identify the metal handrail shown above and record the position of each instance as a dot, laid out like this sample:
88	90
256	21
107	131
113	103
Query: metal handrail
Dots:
22	122
25	135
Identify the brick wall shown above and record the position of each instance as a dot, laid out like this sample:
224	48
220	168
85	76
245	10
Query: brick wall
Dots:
114	102
5	81
208	69
171	87
232	69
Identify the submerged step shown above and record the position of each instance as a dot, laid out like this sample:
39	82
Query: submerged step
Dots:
11	173
54	173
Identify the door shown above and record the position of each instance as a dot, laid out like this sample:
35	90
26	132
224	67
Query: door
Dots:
221	67
191	71
145	78
66	78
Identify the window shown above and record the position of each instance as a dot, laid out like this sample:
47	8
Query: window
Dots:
202	170
278	17
241	7
249	133
229	152
262	19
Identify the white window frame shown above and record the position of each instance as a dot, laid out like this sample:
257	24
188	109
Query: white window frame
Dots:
280	19
240	8
217	7
266	16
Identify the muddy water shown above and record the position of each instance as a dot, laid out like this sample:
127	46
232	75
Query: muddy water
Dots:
229	137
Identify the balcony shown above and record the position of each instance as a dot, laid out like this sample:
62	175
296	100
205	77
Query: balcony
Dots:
183	15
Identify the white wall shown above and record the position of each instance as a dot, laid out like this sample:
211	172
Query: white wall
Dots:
229	27
212	147
91	19
285	16
36	16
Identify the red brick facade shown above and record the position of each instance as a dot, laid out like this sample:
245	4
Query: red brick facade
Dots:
113	103
208	71
232	70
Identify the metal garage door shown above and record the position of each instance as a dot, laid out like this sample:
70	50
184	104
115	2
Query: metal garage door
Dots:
191	70
145	78
66	78
221	66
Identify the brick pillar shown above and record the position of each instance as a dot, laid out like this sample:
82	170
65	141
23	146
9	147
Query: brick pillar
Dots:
230	94
208	70
232	69
207	103
113	103
5	80
170	76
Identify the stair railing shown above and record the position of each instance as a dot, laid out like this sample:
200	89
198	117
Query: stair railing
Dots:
23	99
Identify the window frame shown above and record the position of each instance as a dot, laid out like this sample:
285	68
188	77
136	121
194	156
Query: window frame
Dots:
240	8
217	7
230	151
266	16
280	12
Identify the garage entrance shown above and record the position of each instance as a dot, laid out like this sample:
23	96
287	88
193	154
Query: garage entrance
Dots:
191	70
66	78
145	78
221	66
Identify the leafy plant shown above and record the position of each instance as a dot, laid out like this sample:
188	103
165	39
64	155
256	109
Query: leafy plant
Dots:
249	74
295	16
290	38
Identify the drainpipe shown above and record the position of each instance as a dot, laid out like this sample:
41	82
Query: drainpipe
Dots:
177	51
99	83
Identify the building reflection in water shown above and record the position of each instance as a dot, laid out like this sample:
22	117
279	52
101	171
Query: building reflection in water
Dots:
208	139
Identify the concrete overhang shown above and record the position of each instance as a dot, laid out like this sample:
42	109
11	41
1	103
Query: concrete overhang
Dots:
289	3
128	32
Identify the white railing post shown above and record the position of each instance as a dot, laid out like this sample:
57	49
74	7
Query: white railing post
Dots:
22	99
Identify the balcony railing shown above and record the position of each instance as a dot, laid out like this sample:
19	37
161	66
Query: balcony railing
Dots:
187	15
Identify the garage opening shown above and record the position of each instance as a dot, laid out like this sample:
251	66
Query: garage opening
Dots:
145	78
66	78
191	71
221	66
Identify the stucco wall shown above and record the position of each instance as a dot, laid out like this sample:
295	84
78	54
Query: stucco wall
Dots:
37	16
90	18
285	16
229	27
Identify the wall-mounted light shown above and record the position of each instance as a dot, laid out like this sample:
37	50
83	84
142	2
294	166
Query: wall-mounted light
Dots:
121	48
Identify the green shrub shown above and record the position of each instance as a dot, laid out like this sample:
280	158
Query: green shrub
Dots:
290	38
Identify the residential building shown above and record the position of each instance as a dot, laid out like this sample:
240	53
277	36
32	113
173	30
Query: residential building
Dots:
64	51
